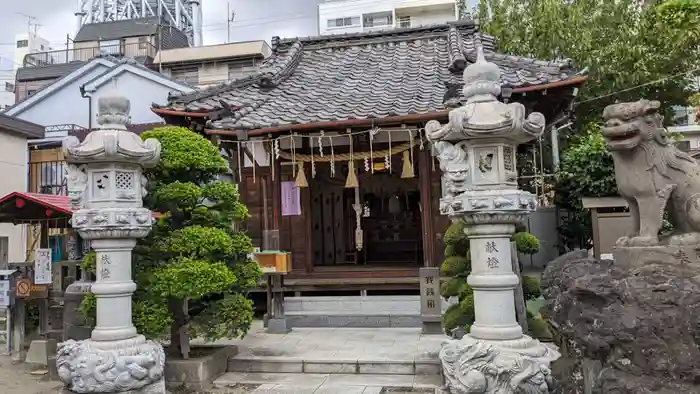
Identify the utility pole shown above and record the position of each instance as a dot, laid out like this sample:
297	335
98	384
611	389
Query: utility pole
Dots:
230	17
29	23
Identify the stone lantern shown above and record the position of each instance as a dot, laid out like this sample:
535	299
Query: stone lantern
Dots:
106	186
476	151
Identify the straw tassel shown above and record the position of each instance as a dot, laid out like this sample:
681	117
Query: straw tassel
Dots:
351	182
301	180
407	170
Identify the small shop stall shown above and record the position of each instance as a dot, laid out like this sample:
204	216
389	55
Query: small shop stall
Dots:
54	252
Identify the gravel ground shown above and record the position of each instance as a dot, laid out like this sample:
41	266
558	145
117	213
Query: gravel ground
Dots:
16	379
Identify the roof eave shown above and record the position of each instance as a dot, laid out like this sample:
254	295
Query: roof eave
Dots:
22	127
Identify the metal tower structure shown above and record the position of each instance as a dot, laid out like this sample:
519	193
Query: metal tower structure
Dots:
183	14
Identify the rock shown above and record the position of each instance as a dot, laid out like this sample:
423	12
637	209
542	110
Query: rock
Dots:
638	316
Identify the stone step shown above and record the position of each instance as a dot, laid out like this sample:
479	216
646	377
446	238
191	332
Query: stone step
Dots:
354	311
340	319
302	383
363	366
354	305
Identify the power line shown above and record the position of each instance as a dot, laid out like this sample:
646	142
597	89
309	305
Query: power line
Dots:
638	86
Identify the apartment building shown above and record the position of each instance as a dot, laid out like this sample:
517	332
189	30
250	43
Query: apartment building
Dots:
26	43
212	64
355	16
139	39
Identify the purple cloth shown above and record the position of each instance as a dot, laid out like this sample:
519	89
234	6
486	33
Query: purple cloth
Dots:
291	201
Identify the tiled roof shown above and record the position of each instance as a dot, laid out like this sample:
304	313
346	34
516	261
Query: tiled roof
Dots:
362	76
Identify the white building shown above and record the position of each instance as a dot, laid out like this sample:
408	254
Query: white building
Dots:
686	122
355	16
7	90
26	43
79	90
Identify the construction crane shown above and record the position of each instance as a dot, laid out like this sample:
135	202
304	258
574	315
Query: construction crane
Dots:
185	15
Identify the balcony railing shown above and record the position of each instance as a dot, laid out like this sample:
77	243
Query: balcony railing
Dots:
685	116
84	54
47	172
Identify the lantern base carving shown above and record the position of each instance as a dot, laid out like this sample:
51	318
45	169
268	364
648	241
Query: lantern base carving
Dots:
104	223
473	366
134	365
496	200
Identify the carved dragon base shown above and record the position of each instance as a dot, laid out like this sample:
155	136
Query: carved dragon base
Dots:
472	366
133	366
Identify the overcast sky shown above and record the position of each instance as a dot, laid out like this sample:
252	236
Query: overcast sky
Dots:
255	19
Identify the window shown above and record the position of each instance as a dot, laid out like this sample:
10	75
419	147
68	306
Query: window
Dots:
241	68
9	87
112	47
53	178
30	92
405	21
683	145
680	116
379	19
22	43
344	22
42	47
187	74
144	43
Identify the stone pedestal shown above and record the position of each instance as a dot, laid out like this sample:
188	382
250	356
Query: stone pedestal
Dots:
476	151
106	187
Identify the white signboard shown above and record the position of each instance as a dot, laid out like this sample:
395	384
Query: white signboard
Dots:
42	267
4	293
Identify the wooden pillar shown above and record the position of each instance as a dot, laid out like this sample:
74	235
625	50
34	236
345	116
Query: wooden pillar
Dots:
305	195
426	203
276	195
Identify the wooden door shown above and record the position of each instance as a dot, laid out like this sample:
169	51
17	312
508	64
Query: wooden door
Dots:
328	221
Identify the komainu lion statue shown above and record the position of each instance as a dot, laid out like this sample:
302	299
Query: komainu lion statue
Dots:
652	174
86	370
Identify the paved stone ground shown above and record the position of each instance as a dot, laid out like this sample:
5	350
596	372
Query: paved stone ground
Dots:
310	383
16	379
334	344
339	343
272	389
